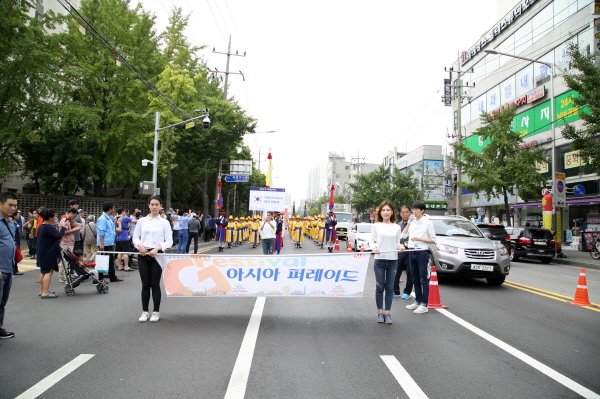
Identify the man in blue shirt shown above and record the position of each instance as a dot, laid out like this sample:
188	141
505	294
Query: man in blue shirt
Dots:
212	224
8	206
183	229
105	230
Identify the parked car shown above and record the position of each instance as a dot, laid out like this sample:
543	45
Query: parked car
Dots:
531	242
360	234
495	232
462	250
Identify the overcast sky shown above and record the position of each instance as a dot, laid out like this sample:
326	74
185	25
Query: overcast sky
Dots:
354	78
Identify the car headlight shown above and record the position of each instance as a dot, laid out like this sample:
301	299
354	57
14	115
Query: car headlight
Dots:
503	251
447	248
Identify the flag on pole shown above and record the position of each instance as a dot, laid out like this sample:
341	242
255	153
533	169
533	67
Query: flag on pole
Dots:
220	198
294	208
331	198
269	167
305	211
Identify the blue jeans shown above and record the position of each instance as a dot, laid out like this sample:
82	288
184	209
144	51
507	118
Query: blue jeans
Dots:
5	285
385	273
418	267
175	237
183	237
267	245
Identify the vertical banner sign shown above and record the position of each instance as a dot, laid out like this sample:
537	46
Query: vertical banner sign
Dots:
334	276
560	198
447	93
267	199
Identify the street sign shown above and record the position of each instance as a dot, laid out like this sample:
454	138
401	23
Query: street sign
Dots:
560	196
579	190
237	179
480	211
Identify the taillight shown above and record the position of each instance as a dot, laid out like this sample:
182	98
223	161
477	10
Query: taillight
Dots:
507	238
524	240
552	242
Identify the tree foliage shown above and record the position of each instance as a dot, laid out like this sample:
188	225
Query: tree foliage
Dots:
502	167
373	188
314	208
586	81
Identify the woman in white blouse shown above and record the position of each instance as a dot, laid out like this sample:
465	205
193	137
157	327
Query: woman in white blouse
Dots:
385	235
152	235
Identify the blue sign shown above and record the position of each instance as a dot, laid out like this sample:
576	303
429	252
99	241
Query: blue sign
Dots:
560	186
579	190
237	179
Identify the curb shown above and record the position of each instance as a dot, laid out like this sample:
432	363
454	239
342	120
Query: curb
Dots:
587	265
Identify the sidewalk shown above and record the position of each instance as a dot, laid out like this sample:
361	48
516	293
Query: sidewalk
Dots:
578	259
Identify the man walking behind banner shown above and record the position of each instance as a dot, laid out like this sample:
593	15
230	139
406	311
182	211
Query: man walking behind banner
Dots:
419	232
8	206
403	263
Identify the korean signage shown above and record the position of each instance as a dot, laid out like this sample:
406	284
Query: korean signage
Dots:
267	199
447	93
560	190
333	276
542	167
503	24
573	160
565	109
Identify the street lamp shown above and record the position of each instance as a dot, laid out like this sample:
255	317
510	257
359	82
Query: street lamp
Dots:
552	67
259	147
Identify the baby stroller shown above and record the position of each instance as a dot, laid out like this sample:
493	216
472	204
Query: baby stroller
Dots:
76	274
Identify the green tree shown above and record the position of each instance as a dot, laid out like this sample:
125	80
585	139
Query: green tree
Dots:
586	81
373	188
314	208
29	78
502	167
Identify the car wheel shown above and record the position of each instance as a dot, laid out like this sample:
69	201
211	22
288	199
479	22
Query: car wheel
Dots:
545	261
497	280
513	254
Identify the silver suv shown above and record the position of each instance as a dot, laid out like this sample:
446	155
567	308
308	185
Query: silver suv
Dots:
462	250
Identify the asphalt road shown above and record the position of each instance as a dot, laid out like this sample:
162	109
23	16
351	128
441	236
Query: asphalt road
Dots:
512	341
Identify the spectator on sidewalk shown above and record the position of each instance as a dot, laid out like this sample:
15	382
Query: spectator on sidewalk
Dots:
16	220
78	243
68	239
89	239
183	220
8	206
403	264
122	240
49	254
193	233
105	228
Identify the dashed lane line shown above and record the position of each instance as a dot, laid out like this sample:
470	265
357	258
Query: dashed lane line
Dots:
555	375
404	379
47	383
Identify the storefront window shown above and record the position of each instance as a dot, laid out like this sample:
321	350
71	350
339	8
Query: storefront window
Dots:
543	22
477	107
562	58
585	41
465	116
541	71
563	9
508	90
523	37
493	99
571	162
582	3
507	46
524	80
492	63
478	71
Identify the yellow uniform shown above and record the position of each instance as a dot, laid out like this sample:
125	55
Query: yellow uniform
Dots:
254	234
320	231
230	232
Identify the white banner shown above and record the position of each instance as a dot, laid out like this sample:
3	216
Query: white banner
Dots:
339	276
267	199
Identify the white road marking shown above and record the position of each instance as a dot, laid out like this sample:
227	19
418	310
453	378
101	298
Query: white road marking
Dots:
239	377
555	375
590	281
404	379
53	378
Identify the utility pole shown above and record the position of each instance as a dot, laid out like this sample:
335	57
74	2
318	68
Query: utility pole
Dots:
227	72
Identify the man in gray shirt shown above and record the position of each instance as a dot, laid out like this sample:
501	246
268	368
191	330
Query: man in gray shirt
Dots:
77	234
193	228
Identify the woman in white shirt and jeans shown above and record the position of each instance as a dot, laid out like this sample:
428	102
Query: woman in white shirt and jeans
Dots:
267	234
386	237
152	235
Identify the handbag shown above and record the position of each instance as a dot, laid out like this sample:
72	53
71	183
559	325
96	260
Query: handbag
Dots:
102	263
18	255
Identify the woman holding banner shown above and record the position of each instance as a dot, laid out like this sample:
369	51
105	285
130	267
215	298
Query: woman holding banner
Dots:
152	235
385	235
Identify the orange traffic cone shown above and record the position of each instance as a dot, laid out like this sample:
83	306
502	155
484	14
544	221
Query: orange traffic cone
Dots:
362	247
434	292
581	294
349	249
336	247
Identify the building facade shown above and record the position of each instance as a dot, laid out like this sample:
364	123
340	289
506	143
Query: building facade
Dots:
340	173
539	30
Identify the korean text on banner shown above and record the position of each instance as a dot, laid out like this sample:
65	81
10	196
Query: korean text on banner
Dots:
267	199
339	276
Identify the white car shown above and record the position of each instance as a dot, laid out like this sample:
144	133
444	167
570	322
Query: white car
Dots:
360	235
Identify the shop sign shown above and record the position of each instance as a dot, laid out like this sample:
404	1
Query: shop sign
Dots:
565	109
524	122
542	167
436	204
511	17
573	160
531	144
536	94
447	93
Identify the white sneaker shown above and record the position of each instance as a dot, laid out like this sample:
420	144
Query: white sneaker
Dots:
144	317
421	309
412	306
155	317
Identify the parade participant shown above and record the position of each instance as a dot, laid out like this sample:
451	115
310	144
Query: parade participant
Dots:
48	254
230	232
267	234
403	263
419	232
152	235
320	231
278	233
8	206
254	235
221	224
385	236
330	233
238	231
298	235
